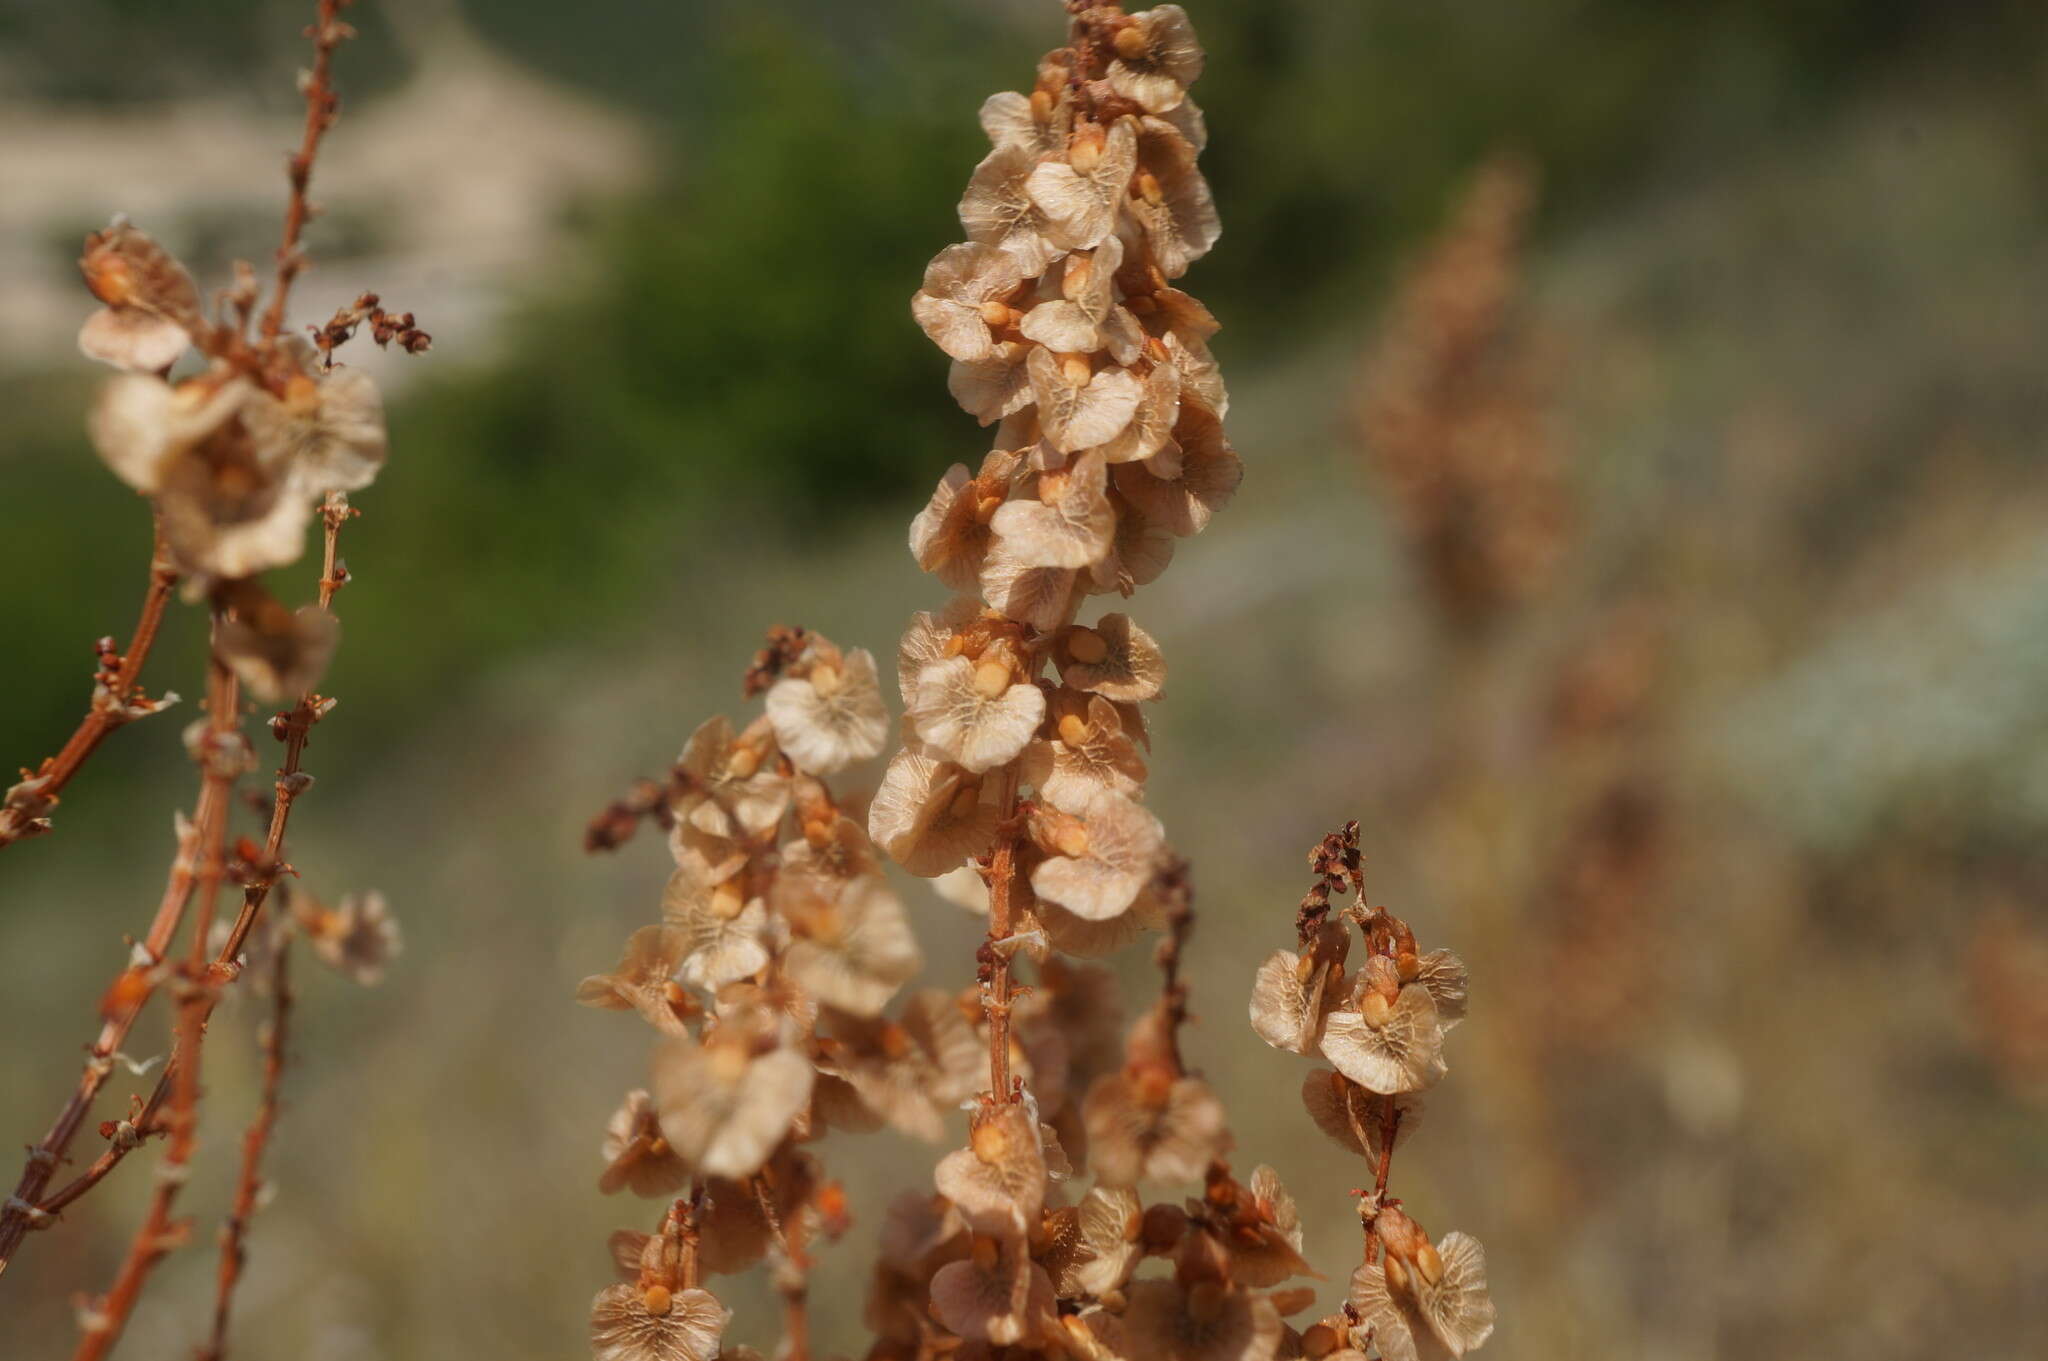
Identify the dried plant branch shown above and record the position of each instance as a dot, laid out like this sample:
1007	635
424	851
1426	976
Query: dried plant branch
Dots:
195	987
235	460
234	1235
122	1004
29	1208
322	107
1382	1028
1019	788
22	813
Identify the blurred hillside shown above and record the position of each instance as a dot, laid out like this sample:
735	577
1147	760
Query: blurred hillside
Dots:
1789	282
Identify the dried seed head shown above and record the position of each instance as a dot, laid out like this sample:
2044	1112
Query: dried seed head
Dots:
830	717
1439	1307
998	1181
656	1324
1401	1051
723	1109
1157	58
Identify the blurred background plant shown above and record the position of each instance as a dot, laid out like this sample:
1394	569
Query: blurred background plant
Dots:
1774	734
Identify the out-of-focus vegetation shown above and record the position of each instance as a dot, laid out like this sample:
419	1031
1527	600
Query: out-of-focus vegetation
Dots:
741	357
1790	274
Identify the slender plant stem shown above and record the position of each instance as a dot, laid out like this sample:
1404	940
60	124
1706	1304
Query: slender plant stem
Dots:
197	988
1002	875
322	105
793	1283
1390	1125
29	1208
24	1209
109	701
249	1183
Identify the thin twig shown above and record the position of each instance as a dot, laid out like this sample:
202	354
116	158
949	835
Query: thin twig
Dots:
995	963
109	701
322	106
197	987
792	1276
125	1001
249	1184
295	727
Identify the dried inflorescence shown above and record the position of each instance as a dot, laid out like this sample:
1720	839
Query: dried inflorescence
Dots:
768	978
1068	335
1453	416
2007	969
1019	788
1381	1025
261	436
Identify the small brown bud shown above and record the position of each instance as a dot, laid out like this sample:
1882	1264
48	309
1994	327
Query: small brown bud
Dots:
1319	1340
1085	645
1162	1228
727	901
1086	152
1294	1301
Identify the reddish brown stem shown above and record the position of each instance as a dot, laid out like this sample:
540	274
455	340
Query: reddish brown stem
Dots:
327	33
1002	873
249	1183
1390	1125
793	1283
197	989
144	1125
24	1210
29	1208
109	701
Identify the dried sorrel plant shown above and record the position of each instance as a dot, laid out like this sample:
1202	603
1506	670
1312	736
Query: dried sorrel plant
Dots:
1452	412
1019	787
1382	1028
238	458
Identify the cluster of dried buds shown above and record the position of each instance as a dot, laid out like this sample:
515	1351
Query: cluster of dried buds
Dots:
239	457
1382	1028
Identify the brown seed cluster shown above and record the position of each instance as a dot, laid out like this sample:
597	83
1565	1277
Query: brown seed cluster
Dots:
1453	417
1381	1026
